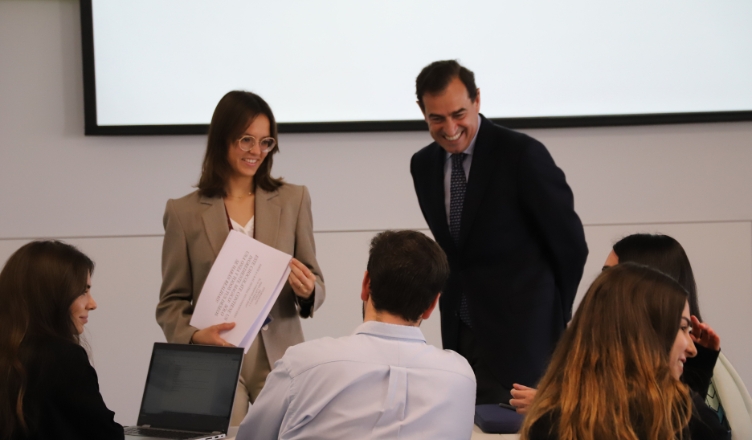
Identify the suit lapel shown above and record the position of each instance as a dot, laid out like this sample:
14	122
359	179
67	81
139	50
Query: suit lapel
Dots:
215	222
481	170
267	215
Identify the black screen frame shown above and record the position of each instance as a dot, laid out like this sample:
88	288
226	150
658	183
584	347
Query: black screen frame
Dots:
187	421
92	127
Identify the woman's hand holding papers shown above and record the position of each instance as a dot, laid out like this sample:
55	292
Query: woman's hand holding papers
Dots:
211	335
301	279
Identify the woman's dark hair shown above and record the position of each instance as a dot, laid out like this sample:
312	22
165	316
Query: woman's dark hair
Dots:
38	284
665	254
233	114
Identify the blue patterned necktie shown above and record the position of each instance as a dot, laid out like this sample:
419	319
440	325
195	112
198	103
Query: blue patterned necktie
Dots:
457	186
457	195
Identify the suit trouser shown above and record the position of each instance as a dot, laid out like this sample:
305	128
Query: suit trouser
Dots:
252	378
489	388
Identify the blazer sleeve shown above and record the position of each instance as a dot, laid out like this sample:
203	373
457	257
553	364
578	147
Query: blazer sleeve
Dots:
81	411
175	306
305	252
549	203
698	371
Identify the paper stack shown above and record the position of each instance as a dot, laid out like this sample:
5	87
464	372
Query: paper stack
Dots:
242	286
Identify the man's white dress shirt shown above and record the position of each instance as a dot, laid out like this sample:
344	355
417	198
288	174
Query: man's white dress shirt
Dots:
382	382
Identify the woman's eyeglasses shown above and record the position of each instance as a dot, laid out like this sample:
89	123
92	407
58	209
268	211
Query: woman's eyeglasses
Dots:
246	143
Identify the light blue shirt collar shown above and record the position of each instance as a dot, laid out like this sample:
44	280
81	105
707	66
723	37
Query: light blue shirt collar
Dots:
390	331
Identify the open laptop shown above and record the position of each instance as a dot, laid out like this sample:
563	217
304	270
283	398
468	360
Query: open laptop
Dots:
189	392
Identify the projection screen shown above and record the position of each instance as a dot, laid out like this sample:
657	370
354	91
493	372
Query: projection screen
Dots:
160	66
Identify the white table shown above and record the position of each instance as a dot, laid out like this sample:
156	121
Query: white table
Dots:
477	435
480	435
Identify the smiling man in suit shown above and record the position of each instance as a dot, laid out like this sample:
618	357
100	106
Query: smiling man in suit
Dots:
502	211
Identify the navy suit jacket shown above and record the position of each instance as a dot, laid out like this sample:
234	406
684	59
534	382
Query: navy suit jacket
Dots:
521	250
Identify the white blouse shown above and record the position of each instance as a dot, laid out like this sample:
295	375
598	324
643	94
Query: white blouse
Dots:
247	229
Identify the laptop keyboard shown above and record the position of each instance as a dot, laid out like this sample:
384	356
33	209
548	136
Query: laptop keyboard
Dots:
151	432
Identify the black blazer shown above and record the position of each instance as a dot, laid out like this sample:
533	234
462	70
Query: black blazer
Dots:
62	399
521	251
703	425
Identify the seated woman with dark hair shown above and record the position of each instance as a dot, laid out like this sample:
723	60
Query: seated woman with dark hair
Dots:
615	373
48	389
665	254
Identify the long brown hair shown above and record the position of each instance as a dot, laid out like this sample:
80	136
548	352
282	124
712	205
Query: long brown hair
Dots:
38	284
234	112
609	376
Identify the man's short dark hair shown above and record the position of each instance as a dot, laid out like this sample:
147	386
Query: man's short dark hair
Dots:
436	76
407	271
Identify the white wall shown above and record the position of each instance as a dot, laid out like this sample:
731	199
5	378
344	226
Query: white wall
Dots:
107	195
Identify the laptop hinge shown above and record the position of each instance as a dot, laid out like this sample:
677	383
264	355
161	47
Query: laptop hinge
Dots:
146	426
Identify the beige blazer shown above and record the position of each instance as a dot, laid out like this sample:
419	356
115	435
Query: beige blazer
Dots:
195	230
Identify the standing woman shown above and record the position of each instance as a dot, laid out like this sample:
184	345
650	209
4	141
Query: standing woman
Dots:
48	388
236	191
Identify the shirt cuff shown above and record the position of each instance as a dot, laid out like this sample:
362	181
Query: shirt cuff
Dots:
306	305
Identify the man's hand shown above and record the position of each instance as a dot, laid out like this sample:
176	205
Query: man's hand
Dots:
210	335
703	335
522	397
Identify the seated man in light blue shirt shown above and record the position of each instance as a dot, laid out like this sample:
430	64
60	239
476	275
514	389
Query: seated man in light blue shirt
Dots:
383	381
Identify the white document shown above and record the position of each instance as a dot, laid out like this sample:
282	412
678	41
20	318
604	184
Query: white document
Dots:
242	286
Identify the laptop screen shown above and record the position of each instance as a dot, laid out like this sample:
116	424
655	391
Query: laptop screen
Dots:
190	387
